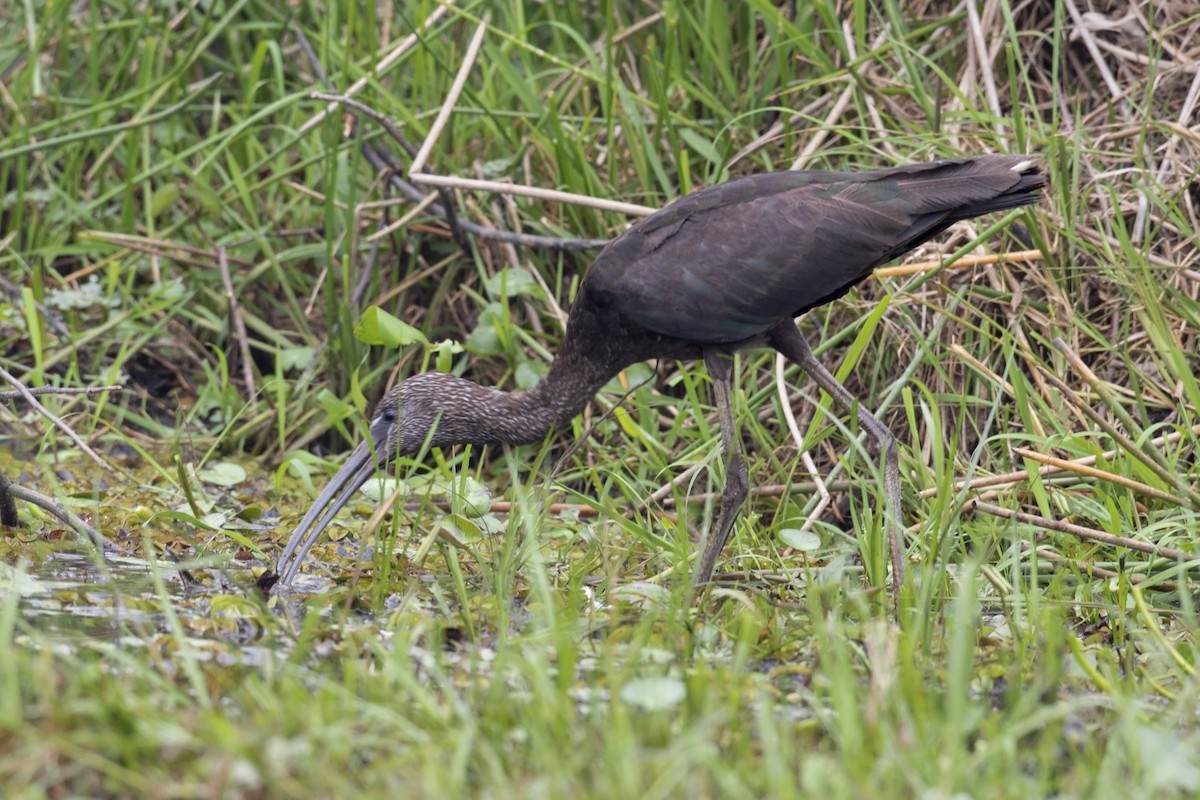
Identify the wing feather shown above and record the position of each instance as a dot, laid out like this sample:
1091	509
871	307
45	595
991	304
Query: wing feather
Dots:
730	262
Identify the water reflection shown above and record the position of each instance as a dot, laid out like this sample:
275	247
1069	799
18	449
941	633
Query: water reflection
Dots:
69	597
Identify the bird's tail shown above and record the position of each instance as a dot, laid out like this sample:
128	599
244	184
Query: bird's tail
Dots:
940	193
977	186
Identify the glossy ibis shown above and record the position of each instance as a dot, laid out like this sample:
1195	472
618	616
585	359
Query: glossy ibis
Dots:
722	269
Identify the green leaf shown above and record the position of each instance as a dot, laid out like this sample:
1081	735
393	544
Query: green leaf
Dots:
496	168
458	531
445	350
379	327
295	357
641	593
163	198
513	282
804	541
469	498
222	473
654	694
89	294
701	145
235	606
485	338
528	374
379	489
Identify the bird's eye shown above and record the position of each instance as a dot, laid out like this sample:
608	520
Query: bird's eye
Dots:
388	416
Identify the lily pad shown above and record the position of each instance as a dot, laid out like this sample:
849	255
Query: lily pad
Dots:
804	541
654	694
223	473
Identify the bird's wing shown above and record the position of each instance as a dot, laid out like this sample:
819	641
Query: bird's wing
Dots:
728	263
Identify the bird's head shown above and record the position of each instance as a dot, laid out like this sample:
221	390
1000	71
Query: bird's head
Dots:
406	419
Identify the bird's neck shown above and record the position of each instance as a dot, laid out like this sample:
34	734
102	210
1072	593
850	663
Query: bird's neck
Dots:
474	414
586	360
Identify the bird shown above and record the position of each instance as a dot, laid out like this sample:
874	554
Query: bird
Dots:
725	268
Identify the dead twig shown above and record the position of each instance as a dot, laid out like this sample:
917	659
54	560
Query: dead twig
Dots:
966	262
62	513
60	390
1146	453
381	67
382	161
1091	472
239	324
28	397
1091	569
1082	532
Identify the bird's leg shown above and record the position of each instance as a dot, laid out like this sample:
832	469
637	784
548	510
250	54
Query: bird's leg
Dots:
787	339
720	370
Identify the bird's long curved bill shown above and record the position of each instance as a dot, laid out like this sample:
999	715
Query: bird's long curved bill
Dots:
341	487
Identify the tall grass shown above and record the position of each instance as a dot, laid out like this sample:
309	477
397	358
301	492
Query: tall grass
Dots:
549	650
